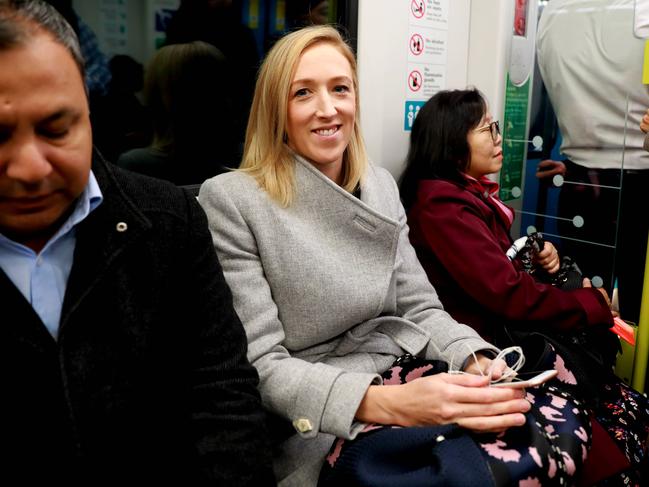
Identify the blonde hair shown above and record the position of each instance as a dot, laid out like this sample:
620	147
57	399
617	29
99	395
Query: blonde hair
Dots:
266	156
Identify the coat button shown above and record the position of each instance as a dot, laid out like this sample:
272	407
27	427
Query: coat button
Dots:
302	425
121	227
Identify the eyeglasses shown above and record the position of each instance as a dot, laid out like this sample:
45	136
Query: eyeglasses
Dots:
493	127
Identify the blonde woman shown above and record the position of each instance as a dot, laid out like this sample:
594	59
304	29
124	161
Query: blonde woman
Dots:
313	243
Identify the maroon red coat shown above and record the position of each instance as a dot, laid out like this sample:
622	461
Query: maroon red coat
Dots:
461	240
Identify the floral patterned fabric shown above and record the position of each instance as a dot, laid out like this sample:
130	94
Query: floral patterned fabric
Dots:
622	411
624	414
549	449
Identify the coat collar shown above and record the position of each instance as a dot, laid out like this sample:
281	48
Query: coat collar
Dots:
317	190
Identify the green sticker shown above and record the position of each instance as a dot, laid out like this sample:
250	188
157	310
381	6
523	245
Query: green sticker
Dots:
514	129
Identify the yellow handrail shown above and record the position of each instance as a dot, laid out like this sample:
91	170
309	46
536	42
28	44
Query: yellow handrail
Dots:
642	341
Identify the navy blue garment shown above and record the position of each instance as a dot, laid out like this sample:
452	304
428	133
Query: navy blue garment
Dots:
428	456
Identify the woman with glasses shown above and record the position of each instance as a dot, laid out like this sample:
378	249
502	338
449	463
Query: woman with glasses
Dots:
460	228
460	231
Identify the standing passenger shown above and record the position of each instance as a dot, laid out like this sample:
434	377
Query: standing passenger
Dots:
591	63
314	245
123	361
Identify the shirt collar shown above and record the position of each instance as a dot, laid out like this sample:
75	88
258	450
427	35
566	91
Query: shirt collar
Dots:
90	198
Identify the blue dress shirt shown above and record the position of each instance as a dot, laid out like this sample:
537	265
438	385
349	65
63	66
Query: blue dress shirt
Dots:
42	278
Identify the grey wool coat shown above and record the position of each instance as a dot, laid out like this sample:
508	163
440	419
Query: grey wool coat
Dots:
330	293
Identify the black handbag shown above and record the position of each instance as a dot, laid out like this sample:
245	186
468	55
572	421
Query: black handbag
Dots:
568	277
588	353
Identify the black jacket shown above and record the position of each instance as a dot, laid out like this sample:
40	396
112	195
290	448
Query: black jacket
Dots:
148	382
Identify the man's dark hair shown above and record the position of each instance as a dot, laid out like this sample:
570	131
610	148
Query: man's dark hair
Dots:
439	148
21	20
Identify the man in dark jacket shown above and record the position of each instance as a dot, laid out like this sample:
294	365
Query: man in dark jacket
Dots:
122	359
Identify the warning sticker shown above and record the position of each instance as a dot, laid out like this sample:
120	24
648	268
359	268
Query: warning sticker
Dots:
424	81
427	45
429	13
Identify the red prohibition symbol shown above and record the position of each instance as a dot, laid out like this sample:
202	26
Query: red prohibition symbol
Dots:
414	80
416	44
418	8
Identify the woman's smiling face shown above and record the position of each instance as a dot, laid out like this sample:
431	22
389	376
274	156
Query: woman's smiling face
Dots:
322	108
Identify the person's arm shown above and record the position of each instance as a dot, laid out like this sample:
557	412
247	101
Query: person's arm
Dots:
228	421
445	398
454	230
549	168
315	397
417	301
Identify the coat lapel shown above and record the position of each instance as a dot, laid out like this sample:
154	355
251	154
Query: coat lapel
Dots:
101	238
321	195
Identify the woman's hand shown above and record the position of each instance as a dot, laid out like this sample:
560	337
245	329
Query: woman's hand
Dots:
586	283
464	399
484	365
548	258
549	168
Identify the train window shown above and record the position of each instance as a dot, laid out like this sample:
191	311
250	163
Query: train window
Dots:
172	80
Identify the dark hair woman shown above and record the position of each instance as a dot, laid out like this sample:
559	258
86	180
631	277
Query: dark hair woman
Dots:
460	231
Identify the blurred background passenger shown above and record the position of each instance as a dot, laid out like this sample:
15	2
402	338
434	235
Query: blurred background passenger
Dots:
96	67
187	89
